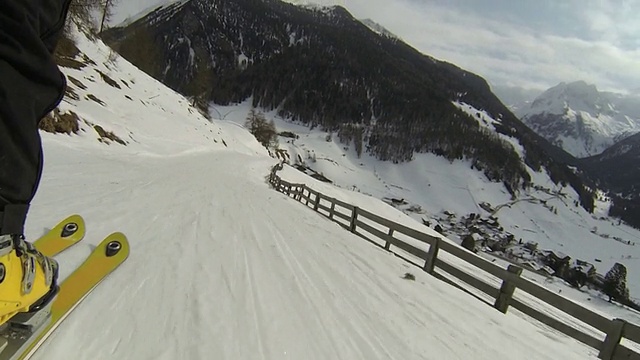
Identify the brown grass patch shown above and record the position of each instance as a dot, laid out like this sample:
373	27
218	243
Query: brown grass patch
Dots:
108	80
66	52
66	48
94	98
58	123
107	136
76	82
70	63
87	60
70	93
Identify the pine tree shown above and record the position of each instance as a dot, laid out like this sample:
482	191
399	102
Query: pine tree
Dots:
615	283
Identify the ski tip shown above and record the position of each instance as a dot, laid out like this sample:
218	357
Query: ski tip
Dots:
115	245
62	236
72	226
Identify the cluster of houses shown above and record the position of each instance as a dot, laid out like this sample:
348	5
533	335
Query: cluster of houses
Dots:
486	234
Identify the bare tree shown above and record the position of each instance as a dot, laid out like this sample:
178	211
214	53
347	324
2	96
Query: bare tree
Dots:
82	9
106	7
87	12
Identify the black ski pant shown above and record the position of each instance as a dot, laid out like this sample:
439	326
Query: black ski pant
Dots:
31	85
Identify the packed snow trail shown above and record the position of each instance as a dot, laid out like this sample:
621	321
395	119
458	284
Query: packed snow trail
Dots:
222	267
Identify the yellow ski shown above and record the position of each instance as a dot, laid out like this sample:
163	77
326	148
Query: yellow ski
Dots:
27	332
68	232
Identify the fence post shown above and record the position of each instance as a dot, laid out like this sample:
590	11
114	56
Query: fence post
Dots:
612	340
506	290
432	256
354	217
299	193
333	209
315	206
278	183
387	245
304	187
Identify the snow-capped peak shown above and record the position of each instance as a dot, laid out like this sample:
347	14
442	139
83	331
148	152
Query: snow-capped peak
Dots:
578	96
581	119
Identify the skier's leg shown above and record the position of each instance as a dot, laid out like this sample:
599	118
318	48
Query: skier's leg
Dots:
31	85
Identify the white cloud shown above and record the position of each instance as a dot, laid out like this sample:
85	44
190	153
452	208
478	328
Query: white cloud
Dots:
523	43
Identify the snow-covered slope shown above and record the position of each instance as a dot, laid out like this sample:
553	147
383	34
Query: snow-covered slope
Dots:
429	188
223	267
581	119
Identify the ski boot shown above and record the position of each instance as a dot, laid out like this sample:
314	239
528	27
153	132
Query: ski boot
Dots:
28	279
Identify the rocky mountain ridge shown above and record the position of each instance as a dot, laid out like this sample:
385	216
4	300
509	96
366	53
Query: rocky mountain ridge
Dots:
582	120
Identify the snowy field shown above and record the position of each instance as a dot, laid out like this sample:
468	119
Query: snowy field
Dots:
223	267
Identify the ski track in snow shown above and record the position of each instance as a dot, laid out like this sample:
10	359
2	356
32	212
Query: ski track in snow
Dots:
223	267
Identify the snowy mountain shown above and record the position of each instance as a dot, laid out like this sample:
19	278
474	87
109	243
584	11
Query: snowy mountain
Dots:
222	266
325	69
582	120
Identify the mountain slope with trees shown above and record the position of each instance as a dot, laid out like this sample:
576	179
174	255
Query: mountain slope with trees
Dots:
618	169
322	67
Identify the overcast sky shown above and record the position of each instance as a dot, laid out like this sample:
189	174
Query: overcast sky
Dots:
524	43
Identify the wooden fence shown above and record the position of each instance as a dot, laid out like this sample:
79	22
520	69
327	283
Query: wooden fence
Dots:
362	222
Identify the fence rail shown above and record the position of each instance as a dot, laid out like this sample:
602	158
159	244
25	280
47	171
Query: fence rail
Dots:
614	330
